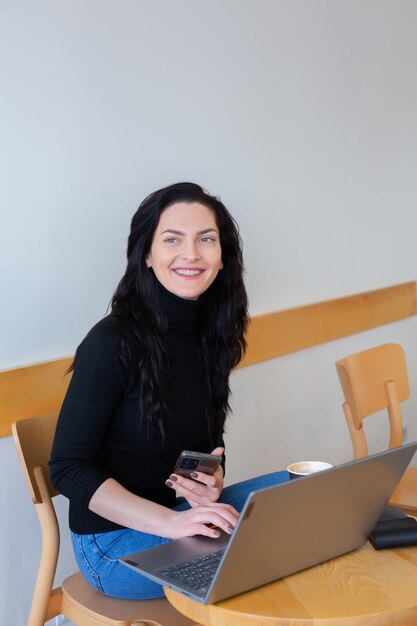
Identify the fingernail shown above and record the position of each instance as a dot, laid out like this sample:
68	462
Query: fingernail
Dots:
216	533
194	475
174	478
230	529
168	484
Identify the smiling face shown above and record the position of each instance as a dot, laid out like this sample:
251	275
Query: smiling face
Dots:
185	254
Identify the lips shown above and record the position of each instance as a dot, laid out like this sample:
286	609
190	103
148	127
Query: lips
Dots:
188	272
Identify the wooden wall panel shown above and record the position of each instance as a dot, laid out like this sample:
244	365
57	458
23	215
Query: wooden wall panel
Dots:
283	332
39	389
32	390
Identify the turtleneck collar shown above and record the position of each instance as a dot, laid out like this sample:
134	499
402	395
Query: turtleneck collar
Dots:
179	311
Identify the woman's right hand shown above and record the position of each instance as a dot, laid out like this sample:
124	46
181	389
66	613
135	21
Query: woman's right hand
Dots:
117	504
202	520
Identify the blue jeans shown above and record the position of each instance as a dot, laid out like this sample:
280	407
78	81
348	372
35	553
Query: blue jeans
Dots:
97	555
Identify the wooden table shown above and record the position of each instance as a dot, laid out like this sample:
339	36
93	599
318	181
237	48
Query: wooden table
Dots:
363	588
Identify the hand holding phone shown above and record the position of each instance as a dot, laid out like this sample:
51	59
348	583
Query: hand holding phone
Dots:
198	477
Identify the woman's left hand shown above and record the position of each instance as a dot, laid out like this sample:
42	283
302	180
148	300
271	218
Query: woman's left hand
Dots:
202	488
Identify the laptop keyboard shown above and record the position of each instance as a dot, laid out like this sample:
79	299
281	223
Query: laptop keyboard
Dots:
197	573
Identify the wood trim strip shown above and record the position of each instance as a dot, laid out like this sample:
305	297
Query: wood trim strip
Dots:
276	334
32	390
39	389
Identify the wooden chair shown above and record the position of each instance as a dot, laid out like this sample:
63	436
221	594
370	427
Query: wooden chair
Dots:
75	599
374	380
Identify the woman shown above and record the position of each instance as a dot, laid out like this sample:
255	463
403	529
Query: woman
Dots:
150	380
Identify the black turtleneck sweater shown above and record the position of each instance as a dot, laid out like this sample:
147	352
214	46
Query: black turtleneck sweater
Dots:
97	436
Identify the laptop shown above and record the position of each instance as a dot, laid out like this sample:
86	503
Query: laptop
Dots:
281	530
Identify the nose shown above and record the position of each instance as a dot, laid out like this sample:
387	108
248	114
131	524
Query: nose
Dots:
190	251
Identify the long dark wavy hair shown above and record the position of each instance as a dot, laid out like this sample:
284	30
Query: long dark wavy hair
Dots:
141	323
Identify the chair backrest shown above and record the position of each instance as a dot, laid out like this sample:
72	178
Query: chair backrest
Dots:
33	438
374	380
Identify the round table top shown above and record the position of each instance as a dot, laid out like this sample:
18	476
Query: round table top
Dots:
364	587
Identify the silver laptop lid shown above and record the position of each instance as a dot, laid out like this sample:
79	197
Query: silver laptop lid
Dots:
306	521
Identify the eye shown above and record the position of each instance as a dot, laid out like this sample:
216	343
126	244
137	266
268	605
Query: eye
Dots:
171	240
208	239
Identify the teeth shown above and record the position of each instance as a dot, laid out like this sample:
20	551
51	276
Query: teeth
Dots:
188	272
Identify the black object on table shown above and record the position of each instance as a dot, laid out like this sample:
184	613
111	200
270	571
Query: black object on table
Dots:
394	529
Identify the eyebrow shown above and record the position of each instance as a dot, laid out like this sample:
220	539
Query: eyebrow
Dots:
179	232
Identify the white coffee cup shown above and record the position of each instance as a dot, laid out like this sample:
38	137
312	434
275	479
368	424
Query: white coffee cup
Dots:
305	468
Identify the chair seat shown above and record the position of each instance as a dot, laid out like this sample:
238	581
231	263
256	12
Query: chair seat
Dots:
405	495
80	599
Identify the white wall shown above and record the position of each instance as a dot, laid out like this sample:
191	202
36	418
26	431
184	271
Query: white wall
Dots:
300	114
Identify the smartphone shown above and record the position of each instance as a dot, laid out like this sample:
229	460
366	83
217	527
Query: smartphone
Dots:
189	461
